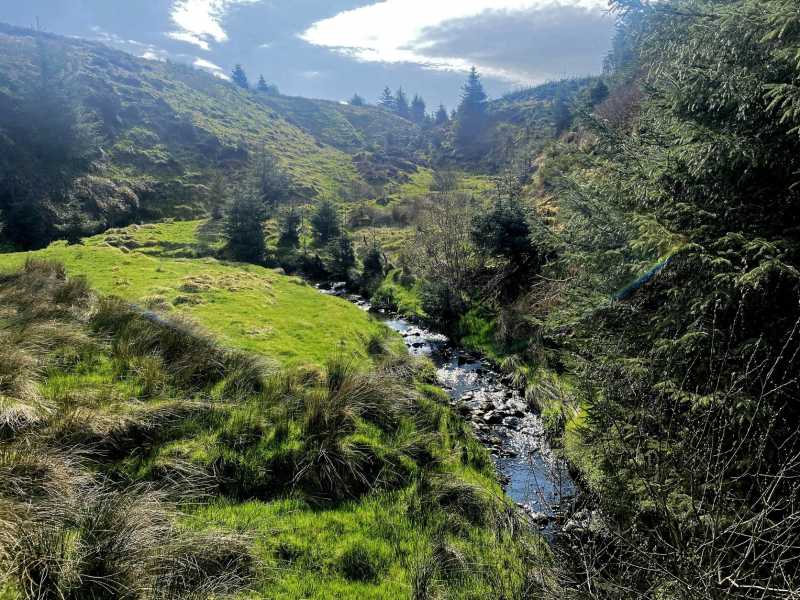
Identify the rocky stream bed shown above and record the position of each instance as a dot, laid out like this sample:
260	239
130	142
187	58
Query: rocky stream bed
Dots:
530	472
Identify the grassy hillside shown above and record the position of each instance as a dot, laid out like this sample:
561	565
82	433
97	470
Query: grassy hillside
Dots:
348	128
139	455
250	307
167	129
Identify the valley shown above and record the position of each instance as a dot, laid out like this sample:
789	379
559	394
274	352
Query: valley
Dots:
544	345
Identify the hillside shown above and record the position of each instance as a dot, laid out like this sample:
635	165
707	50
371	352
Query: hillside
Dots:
168	265
143	458
165	130
157	139
517	128
347	128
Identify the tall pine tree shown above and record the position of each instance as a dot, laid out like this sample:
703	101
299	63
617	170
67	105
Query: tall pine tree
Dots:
598	93
561	113
325	223
245	228
289	228
47	140
401	104
441	115
387	99
266	88
418	110
239	77
274	184
471	114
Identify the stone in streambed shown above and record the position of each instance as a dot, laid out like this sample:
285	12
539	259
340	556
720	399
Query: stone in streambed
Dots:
492	417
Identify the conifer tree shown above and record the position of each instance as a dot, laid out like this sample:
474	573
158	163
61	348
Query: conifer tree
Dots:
357	100
387	99
266	88
374	263
290	222
471	114
273	182
325	223
598	93
217	195
401	104
441	115
418	107
561	114
342	257
47	139
239	77
245	228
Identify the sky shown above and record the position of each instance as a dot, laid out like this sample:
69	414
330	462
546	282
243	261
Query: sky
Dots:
334	48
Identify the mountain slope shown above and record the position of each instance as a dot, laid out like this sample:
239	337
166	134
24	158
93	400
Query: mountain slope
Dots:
168	129
517	127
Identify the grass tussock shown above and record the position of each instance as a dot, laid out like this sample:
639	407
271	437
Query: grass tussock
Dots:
120	544
67	531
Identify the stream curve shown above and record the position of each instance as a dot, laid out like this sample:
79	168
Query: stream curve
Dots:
530	472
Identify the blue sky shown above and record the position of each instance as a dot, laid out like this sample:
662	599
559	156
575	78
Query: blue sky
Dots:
333	48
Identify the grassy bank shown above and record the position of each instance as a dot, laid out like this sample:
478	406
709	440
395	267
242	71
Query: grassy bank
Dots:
249	307
158	450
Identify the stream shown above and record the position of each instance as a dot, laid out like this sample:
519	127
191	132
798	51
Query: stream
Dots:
531	474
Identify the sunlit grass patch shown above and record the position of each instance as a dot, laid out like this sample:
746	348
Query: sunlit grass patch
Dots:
295	323
346	476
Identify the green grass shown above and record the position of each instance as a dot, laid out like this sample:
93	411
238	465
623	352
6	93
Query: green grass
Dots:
247	306
396	296
305	551
419	185
175	128
393	240
348	128
343	482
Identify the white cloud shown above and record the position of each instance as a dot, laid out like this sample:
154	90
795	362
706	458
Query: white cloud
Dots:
200	21
146	51
189	38
152	55
392	30
207	65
